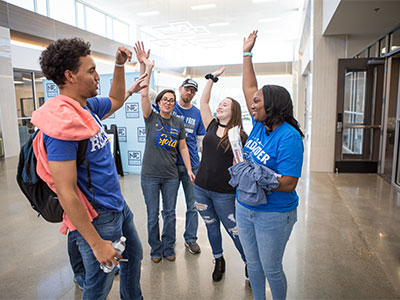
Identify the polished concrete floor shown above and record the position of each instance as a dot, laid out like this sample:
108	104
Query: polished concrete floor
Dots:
345	245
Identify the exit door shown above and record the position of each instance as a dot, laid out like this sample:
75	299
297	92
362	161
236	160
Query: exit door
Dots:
358	121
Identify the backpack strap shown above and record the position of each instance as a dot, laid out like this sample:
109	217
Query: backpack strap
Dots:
81	159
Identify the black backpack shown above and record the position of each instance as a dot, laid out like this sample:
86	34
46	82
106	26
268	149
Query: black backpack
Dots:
40	196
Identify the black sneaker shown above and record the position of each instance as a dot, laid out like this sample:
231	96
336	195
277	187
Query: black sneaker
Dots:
193	247
219	269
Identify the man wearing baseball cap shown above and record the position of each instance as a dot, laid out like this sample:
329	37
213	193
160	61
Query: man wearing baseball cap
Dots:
195	132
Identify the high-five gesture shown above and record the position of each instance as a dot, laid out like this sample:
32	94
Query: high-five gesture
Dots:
149	64
218	72
140	52
146	105
123	54
248	43
249	81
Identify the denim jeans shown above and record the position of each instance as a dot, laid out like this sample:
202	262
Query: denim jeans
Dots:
75	259
192	220
215	208
111	226
151	187
264	236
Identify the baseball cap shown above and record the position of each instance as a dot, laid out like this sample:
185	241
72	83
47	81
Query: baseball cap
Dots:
190	82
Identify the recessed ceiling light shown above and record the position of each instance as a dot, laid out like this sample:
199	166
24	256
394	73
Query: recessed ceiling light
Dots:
148	13
262	1
204	6
269	20
228	34
270	31
218	24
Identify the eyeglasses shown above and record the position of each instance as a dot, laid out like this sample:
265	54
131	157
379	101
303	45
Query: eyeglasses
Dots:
169	101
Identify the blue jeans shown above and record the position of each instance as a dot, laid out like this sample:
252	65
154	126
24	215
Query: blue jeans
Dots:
75	259
215	208
192	220
151	187
111	226
264	236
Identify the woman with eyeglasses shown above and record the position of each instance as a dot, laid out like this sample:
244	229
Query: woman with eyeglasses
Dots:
215	198
165	135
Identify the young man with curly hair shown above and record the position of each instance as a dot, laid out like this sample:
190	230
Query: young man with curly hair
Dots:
97	215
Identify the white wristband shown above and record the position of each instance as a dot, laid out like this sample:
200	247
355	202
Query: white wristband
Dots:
119	65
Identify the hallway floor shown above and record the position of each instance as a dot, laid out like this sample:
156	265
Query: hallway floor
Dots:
345	245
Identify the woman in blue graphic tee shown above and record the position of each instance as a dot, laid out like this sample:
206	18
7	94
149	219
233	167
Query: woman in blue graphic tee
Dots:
275	142
165	135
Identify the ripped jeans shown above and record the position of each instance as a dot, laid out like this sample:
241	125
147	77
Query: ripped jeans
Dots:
215	208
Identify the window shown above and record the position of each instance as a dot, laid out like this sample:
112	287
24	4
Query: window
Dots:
95	21
63	11
395	40
80	15
121	32
382	47
372	51
28	99
109	23
41	7
27	4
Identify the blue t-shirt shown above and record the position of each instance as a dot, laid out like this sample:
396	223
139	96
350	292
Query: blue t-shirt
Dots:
105	182
281	151
193	127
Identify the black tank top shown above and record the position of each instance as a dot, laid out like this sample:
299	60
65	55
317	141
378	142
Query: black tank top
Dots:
213	174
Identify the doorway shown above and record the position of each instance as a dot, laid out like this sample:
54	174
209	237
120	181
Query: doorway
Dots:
29	96
359	106
392	88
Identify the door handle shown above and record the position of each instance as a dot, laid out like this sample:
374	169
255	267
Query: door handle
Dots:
362	126
339	127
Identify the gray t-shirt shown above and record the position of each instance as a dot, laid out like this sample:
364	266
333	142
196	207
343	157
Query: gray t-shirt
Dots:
162	139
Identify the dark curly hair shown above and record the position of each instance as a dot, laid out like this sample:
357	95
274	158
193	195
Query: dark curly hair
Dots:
63	55
279	107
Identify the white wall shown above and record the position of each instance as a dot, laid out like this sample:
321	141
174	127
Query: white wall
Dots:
324	68
25	58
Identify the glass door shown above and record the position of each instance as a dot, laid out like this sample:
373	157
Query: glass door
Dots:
29	96
359	103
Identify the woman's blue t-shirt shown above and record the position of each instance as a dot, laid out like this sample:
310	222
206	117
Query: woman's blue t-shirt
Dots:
105	182
281	151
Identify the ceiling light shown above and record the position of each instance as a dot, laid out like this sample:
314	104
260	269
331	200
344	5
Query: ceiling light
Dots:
270	31
148	13
228	34
18	82
262	1
28	45
218	24
269	20
204	6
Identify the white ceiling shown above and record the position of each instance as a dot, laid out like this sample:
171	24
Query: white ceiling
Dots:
178	25
364	17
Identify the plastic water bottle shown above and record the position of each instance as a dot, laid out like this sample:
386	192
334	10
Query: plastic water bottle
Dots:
119	246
